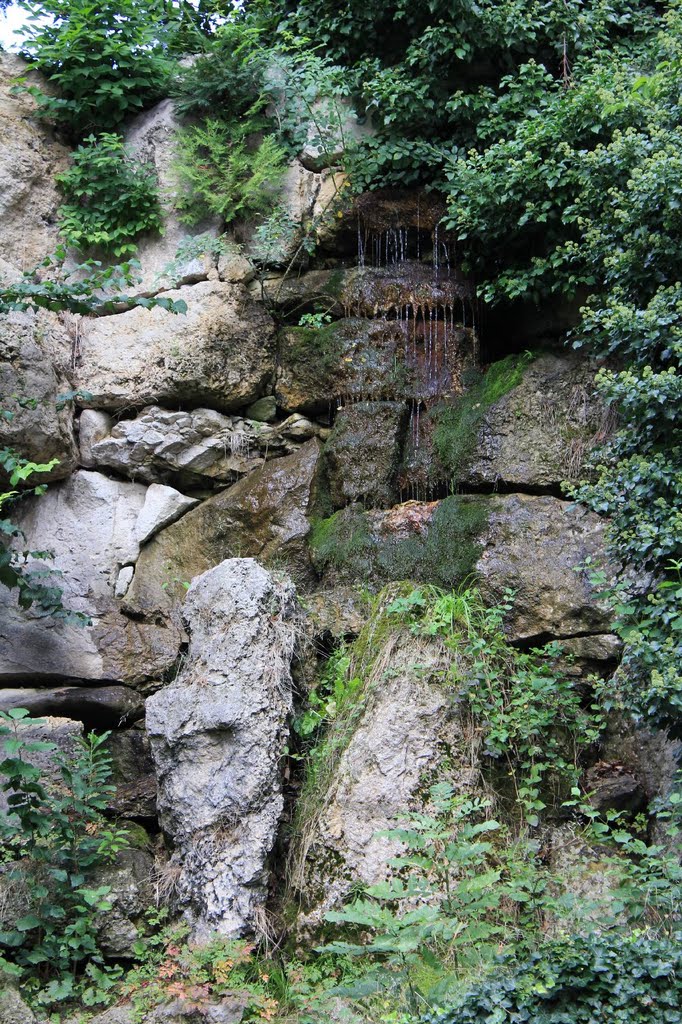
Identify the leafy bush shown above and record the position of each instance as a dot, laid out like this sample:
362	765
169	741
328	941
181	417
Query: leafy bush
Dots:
109	199
223	171
622	979
55	836
107	63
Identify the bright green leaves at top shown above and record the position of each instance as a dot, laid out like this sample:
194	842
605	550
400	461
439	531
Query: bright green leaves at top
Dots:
106	60
109	199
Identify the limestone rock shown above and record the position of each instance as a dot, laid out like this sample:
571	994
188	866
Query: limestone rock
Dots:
34	353
162	506
540	432
88	522
63	733
235	268
13	1009
132	773
263	516
363	452
106	707
229	1010
528	544
264	410
130	880
313	289
198	447
221	352
29	160
217	734
407	723
182	255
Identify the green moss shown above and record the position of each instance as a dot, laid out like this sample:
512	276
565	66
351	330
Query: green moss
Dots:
456	426
343	542
321	347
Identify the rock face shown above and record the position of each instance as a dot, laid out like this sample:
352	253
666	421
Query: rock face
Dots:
29	160
262	516
199	447
217	735
34	356
539	433
363	453
407	724
220	353
89	522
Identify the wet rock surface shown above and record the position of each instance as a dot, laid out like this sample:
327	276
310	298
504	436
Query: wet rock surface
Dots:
363	453
218	734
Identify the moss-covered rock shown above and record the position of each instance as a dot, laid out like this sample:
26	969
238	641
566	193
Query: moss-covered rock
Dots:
363	453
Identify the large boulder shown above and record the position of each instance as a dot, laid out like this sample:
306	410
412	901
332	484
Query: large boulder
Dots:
35	352
263	516
363	453
399	743
29	159
218	733
538	434
220	353
89	523
530	545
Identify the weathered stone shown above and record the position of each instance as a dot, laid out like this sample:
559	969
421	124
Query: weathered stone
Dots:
29	159
63	733
130	880
221	352
540	432
263	516
93	426
132	773
611	787
195	448
228	1010
367	360
530	545
34	355
13	1009
123	580
181	255
102	706
363	453
89	523
235	268
264	410
315	289
217	734
407	723
162	506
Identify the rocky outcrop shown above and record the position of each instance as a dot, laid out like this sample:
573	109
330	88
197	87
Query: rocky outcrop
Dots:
35	352
101	706
89	522
541	431
199	447
363	453
29	160
220	353
218	734
263	516
398	745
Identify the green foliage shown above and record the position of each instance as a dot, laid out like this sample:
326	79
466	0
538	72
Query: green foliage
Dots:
456	424
106	61
56	836
109	200
622	979
223	172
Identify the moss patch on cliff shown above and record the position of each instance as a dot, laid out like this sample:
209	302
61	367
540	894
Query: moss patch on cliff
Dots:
456	425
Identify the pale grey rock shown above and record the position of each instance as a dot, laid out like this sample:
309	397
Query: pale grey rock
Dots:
333	127
13	1009
35	351
130	880
123	580
195	447
88	522
162	505
93	426
218	733
228	1010
182	254
222	352
29	159
235	268
398	744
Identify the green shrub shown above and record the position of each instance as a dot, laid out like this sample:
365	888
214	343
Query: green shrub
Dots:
106	62
615	978
55	837
109	199
224	171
